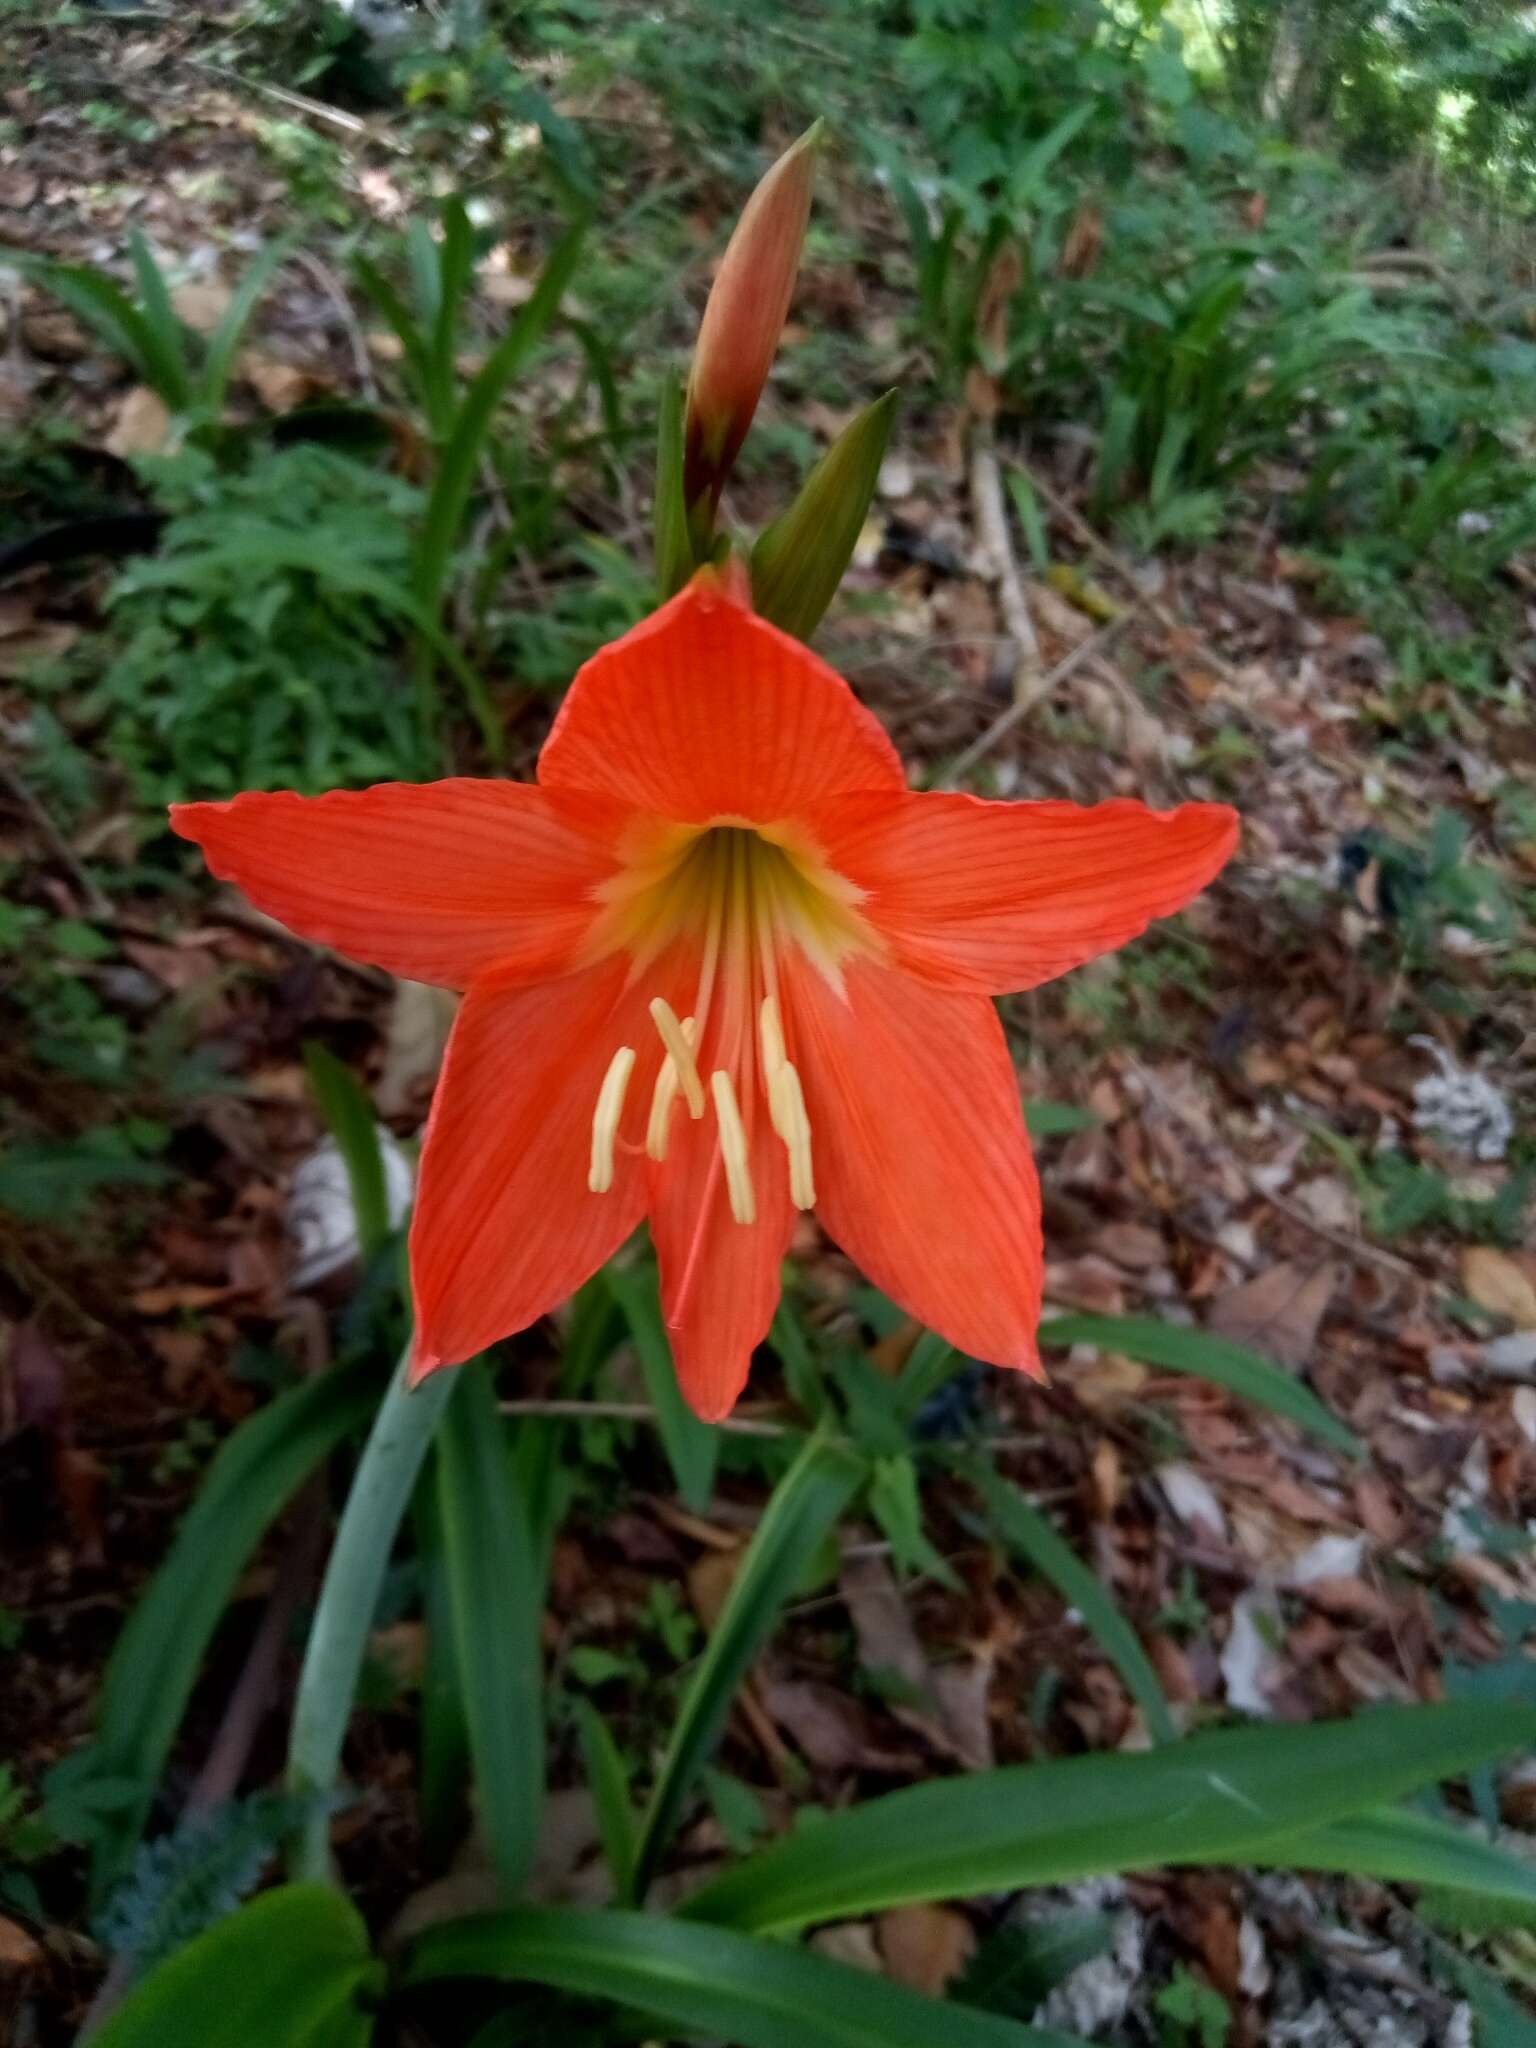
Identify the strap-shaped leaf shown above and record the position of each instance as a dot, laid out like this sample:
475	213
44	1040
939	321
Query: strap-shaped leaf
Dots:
799	560
803	1508
1206	1358
155	1660
1023	1528
674	547
1230	1797
707	1982
692	1447
496	1603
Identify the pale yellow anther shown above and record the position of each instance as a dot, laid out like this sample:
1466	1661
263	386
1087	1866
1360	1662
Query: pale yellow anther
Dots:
605	1118
733	1148
786	1104
679	1041
658	1128
771	1034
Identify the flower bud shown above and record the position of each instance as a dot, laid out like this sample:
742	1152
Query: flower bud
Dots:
743	320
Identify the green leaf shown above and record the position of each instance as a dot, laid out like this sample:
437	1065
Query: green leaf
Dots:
1210	1358
155	1660
609	1783
51	1182
1058	1119
294	1965
1026	504
1415	1848
159	314
381	1488
1015	1969
1221	1798
348	1112
496	1602
113	317
799	560
801	1511
226	337
896	1504
674	548
704	1981
472	422
1024	1529
443	1770
692	1447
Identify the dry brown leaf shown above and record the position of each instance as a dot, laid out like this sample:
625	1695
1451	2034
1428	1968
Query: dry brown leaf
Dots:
1277	1312
280	386
1499	1284
829	1728
1134	1245
201	304
925	1947
142	425
18	1951
709	1581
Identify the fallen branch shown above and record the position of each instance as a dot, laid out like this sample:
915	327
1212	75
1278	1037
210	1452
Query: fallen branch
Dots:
996	544
1096	545
1022	705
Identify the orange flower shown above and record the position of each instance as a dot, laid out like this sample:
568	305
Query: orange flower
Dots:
743	320
721	965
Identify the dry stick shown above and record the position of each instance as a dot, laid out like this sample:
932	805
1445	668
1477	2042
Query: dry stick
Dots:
634	1411
256	1686
330	284
1021	707
991	517
1097	545
95	902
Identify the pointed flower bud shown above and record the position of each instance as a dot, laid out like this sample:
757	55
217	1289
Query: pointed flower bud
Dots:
743	320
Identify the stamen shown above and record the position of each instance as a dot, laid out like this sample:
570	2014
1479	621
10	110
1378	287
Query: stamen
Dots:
786	1104
733	1148
674	1037
771	1033
605	1118
659	1128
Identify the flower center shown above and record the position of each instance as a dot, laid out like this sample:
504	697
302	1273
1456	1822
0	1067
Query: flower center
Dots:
738	896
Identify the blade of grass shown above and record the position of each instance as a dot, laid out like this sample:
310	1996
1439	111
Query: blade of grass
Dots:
1222	1798
801	1511
1205	1357
703	1982
497	1604
692	1447
1024	1529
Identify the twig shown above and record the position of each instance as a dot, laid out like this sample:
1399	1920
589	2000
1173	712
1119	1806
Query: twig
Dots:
256	1686
634	1411
1021	707
991	517
330	284
1112	559
95	902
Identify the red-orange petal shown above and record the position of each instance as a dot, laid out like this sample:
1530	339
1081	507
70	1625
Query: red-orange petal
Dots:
706	712
436	881
505	1226
993	897
923	1169
719	1278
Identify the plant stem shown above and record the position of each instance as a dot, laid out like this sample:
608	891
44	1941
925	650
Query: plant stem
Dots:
349	1598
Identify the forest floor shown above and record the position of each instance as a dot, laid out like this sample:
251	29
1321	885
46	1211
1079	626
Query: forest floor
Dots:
1247	1092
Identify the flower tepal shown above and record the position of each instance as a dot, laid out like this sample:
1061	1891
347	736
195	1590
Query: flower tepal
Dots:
721	966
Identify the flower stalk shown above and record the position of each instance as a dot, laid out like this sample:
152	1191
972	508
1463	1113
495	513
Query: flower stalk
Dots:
349	1596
